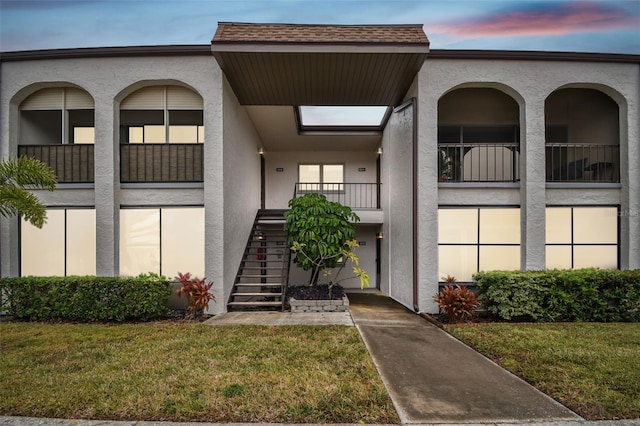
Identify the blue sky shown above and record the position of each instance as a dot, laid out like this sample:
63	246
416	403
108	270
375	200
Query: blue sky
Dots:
610	26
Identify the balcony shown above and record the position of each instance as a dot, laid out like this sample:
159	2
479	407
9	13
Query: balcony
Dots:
155	163
582	163
72	163
364	196
479	162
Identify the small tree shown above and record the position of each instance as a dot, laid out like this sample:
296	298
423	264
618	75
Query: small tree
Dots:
19	175
318	232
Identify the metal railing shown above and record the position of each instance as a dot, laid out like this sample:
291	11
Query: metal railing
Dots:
72	163
354	195
479	162
145	163
582	163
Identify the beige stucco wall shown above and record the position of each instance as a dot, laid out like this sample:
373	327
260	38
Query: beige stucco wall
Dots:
280	185
529	83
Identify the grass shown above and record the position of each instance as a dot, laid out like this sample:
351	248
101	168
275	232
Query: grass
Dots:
190	372
593	369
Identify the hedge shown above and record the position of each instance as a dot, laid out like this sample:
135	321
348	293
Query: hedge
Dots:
86	298
561	295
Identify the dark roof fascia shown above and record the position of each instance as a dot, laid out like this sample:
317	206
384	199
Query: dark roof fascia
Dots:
523	55
107	52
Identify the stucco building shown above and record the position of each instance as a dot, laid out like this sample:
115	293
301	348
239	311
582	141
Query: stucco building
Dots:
477	160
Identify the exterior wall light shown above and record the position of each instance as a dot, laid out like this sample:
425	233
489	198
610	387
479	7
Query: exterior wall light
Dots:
260	151
379	150
380	236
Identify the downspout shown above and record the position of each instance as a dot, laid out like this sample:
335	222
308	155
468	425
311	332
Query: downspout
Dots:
414	180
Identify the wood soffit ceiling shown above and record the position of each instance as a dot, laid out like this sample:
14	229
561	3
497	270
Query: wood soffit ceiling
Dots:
285	64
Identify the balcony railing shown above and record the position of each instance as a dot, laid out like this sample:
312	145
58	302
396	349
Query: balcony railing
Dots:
146	163
582	163
354	195
478	162
72	163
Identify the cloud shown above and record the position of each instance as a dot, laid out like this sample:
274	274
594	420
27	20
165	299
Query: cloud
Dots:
546	19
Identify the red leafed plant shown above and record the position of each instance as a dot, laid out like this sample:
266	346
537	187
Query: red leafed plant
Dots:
458	302
198	291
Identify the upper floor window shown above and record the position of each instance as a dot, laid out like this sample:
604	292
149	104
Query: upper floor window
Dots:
162	114
320	177
55	116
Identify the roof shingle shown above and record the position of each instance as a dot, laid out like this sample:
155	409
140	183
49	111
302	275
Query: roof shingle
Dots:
236	32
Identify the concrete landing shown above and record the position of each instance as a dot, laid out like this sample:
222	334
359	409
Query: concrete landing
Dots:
434	378
281	318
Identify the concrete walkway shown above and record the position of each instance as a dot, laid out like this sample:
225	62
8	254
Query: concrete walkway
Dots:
434	378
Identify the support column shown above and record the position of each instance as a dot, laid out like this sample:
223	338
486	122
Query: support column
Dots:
107	184
532	184
427	194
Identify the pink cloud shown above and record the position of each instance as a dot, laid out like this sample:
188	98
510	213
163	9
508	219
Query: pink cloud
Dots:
553	20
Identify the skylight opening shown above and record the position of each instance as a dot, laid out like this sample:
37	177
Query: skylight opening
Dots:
342	116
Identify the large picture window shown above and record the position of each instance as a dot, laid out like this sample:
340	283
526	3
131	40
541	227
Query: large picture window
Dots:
66	244
477	239
581	237
162	240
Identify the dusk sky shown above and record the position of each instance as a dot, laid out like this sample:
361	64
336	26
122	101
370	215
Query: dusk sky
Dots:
574	26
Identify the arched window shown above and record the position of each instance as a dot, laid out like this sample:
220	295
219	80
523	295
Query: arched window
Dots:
162	114
58	115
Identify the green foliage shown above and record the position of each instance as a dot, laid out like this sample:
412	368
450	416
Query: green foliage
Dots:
197	289
561	295
322	228
457	302
16	177
87	299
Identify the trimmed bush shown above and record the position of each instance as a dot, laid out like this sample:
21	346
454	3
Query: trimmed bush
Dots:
561	295
86	299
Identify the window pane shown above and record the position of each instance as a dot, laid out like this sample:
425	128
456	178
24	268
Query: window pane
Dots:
139	241
309	173
81	242
42	250
500	226
499	258
154	134
136	135
457	226
558	257
200	134
595	225
605	257
342	115
84	135
183	134
183	241
558	226
333	173
458	261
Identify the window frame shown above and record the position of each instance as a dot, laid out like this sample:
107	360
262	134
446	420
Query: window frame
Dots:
321	184
478	244
573	244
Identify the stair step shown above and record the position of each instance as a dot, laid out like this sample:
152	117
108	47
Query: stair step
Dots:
276	303
259	276
258	284
265	268
258	294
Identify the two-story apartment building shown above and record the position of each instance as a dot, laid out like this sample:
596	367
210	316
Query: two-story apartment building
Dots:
469	160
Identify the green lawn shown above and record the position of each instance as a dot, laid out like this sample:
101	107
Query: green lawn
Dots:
182	372
594	369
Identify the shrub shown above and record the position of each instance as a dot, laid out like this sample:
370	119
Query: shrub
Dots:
458	302
198	292
561	295
87	298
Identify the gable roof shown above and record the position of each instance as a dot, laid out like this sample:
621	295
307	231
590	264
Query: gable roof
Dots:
234	32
